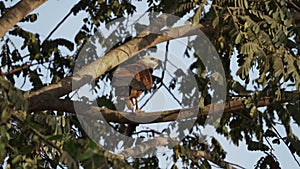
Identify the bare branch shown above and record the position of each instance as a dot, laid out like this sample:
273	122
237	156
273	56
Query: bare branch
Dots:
160	116
111	60
209	157
17	69
147	146
59	24
15	114
16	13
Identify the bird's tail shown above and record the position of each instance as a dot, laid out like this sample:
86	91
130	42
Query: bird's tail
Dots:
131	127
129	104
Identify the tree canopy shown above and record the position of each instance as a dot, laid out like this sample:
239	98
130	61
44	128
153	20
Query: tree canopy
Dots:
52	125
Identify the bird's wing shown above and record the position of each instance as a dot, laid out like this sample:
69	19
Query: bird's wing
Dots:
142	80
136	75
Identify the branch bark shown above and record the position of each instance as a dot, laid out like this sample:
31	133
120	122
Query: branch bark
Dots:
110	60
160	116
209	157
146	146
16	13
149	145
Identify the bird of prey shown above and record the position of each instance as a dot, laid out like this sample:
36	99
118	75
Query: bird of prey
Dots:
131	80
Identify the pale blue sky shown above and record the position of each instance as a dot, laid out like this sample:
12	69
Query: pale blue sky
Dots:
50	13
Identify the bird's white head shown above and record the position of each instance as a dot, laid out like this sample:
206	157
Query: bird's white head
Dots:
150	61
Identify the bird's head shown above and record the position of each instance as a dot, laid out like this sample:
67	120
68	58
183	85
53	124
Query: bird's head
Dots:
150	61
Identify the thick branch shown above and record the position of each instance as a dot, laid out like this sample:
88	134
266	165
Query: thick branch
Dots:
151	145
161	116
147	146
111	60
16	13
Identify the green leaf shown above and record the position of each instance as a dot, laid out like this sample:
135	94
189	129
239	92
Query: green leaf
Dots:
65	158
257	146
103	101
63	42
197	16
238	38
29	18
276	141
34	77
2	150
55	137
87	154
246	4
80	37
270	133
216	22
278	66
17	158
253	111
294	110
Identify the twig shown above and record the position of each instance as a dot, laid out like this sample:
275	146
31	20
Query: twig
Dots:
150	96
36	132
66	105
166	59
147	146
25	66
293	4
147	131
172	94
210	157
58	25
162	74
278	134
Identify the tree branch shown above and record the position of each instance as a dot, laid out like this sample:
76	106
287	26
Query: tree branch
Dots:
17	69
160	116
152	144
111	60
147	146
16	13
59	24
36	132
209	157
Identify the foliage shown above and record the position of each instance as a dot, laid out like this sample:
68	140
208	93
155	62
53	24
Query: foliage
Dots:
263	35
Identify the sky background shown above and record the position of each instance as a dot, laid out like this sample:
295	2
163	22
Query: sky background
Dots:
51	13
